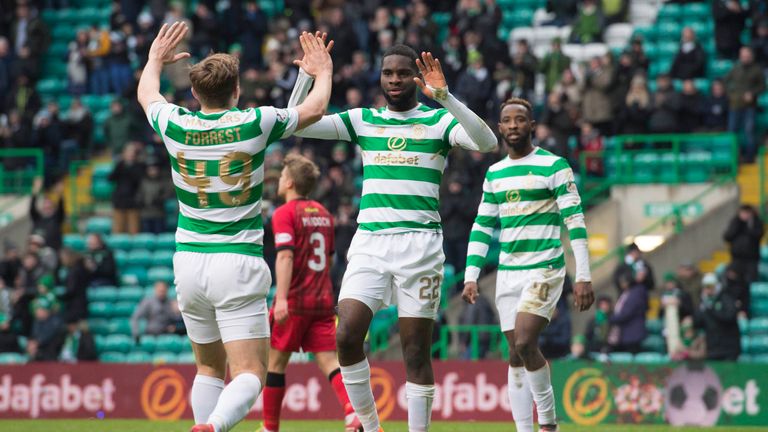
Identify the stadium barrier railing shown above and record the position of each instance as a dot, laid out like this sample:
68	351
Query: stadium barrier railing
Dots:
19	181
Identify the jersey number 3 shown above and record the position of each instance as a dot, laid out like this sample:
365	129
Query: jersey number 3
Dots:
317	261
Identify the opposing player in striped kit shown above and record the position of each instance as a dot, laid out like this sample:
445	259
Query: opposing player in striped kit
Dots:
530	191
397	252
217	157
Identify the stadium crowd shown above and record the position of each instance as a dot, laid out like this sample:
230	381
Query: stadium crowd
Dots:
580	105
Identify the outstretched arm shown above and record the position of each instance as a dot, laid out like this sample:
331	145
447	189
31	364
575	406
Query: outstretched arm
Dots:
317	62
470	131
162	51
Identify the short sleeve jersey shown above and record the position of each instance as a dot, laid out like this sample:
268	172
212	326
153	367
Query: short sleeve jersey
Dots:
306	227
217	166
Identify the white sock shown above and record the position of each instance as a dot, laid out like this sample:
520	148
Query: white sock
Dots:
541	387
419	406
205	394
235	401
520	399
357	381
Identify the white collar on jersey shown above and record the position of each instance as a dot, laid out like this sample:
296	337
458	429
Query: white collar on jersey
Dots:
387	113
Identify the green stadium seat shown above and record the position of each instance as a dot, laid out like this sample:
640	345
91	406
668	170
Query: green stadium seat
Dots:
644	167
112	357
761	358
102	294
102	170
12	358
49	15
670	11
51	86
121	257
743	325
759	290
58	50
667	49
166	241
186	357
654	326
758	344
123	309
759	307
102	190
64	32
138	357
164	357
700	28
164	274
443	18
758	326
719	68
144	241
651	51
67	15
621	357
98	326
119	241
118	343
650	358
148	343
54	68
699	11
647	34
746	344
100	117
120	326
139	258
163	258
655	343
132	294
100	309
74	241
101	225
702	85
170	343
668	30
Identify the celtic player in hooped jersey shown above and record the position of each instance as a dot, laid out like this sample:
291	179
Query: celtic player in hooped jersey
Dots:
530	191
396	255
217	157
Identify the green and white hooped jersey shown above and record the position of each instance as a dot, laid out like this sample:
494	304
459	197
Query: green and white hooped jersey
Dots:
217	165
530	196
404	156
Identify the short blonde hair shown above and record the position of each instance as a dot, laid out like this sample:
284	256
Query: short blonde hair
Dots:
303	172
215	79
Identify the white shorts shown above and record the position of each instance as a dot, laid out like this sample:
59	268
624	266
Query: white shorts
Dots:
405	269
532	291
222	295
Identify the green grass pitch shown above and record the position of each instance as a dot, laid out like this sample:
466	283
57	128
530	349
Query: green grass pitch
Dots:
323	426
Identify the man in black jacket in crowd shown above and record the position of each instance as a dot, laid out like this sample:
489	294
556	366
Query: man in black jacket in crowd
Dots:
744	233
718	316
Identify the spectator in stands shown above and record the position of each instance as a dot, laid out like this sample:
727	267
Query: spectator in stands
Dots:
452	57
715	109
624	72
75	343
759	44
157	311
42	341
729	22
5	66
345	228
734	282
546	141
9	264
98	49
100	262
126	176
254	27
589	24
118	127
636	111
744	84
29	31
718	317
474	85
570	91
554	64
672	294
420	22
666	105
743	234
688	277
524	65
9	341
24	99
75	281
591	141
49	258
555	340
77	66
79	125
564	11
457	222
596	105
48	219
627	321
118	60
480	313
596	333
559	119
636	51
690	107
635	263
690	61
614	11
155	189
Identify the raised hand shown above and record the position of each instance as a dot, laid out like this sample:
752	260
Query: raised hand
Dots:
317	58
168	38
433	84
